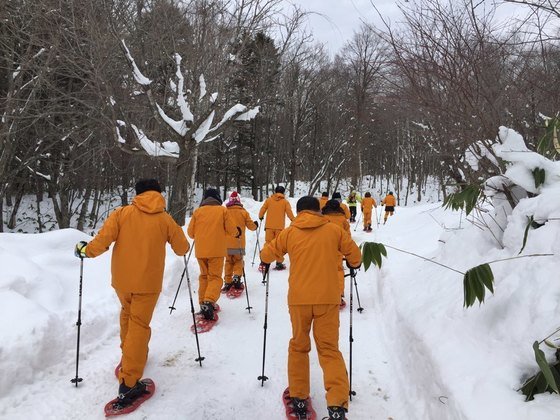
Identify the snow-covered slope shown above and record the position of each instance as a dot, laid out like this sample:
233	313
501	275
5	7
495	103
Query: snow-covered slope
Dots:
417	353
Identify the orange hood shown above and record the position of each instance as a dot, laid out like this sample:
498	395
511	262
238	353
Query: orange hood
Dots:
150	202
309	220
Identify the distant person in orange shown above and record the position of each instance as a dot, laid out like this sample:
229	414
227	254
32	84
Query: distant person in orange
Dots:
368	203
314	245
336	196
323	200
276	208
334	214
210	227
236	246
389	202
140	232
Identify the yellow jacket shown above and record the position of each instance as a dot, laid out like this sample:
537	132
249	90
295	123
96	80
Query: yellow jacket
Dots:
239	217
276	208
368	203
140	232
314	246
210	226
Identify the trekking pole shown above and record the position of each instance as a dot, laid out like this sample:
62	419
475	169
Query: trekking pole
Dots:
351	337
264	378
199	359
358	222
249	307
360	309
256	245
77	379
172	307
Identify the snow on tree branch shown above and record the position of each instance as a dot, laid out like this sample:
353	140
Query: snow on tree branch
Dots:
202	84
249	115
183	105
204	128
138	76
233	111
180	127
152	148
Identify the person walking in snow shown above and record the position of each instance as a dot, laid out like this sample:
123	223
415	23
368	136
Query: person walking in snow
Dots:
368	203
334	213
140	232
236	246
389	202
336	196
276	208
353	199
323	200
314	245
210	226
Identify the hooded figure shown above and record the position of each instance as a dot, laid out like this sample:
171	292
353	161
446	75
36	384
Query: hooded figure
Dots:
368	203
140	232
314	245
276	209
236	246
210	227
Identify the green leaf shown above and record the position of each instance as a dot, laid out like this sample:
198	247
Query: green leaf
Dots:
486	275
373	252
531	220
539	174
475	283
545	368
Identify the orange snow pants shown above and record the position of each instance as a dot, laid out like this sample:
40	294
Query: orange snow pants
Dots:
136	313
367	218
269	235
233	267
325	321
210	279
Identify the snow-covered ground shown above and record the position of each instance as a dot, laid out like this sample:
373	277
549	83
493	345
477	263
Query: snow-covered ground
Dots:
418	354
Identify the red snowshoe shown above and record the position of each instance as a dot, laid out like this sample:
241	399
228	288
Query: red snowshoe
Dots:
118	406
291	411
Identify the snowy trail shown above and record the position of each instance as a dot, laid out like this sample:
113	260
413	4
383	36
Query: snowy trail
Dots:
395	374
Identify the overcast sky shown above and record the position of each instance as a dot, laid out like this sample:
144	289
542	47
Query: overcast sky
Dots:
336	20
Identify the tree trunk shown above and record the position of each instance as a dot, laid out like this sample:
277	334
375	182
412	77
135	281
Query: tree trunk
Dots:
17	202
84	209
182	196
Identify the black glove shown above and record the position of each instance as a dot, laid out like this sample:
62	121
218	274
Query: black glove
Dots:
261	218
238	232
256	223
352	268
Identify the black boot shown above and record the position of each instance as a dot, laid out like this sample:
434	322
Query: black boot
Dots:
237	282
227	286
280	266
207	310
128	395
336	413
299	407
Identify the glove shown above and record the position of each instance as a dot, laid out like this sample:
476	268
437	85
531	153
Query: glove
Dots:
261	218
256	223
238	232
352	268
80	250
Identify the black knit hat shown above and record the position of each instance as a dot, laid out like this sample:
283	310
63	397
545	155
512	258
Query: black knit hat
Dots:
336	195
212	193
332	206
280	189
307	203
368	194
325	194
149	184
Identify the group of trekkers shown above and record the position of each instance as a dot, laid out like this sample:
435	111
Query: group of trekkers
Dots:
317	241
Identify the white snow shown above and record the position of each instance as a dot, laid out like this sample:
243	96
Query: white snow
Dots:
249	115
153	148
202	84
183	105
138	76
204	128
418	354
180	127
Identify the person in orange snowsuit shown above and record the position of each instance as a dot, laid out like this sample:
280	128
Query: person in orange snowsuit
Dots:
314	245
368	203
276	209
336	196
140	232
323	200
334	213
389	202
210	226
236	246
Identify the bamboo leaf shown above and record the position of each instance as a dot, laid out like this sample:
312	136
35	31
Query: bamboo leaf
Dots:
529	224
487	276
545	368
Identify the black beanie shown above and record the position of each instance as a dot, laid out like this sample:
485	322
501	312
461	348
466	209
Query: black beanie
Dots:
368	194
325	194
336	195
149	184
280	189
332	206
212	193
307	203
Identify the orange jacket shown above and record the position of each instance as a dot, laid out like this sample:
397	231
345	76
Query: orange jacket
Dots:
210	226
314	246
339	219
323	201
239	217
276	208
140	232
368	203
389	200
346	210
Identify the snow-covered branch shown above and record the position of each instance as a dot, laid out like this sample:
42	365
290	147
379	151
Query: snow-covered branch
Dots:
138	76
